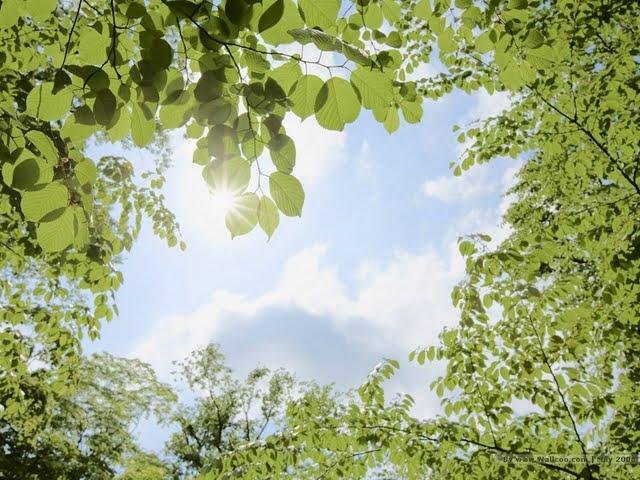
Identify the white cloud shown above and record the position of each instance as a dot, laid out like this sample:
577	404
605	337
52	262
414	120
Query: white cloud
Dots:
488	105
475	182
318	150
396	306
449	188
310	324
364	160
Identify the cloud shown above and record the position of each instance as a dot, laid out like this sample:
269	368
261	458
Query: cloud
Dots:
364	160
318	151
476	182
395	306
471	184
489	105
313	324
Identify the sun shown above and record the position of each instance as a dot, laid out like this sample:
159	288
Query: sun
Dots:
223	201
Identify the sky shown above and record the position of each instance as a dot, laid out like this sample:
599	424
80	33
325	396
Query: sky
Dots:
364	275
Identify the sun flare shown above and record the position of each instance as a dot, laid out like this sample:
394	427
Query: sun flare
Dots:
223	201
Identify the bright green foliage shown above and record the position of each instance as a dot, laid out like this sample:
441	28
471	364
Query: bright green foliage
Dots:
227	412
545	357
89	432
145	466
549	318
122	67
130	71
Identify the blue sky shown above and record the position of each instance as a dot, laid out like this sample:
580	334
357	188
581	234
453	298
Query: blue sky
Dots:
364	274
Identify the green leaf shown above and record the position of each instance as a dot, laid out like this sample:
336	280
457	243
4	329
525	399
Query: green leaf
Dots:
422	10
40	10
121	127
304	95
216	111
392	120
142	125
412	111
534	39
336	104
320	13
320	39
222	142
446	41
59	233
517	4
256	62
86	172
268	216
287	193
37	204
374	87
104	107
177	113
484	43
542	57
283	153
466	248
80	228
43	104
242	217
208	87
511	76
271	16
27	172
228	175
278	32
373	16
356	55
238	11
160	54
44	144
286	75
9	13
391	10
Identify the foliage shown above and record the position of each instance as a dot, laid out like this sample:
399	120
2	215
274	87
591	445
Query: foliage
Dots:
132	71
544	359
89	433
227	412
145	466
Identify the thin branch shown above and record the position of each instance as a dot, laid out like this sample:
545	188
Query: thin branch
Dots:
344	457
546	361
485	409
114	40
226	45
591	137
73	26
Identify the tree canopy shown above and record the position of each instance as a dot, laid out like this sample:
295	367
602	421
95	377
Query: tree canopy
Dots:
544	358
88	433
132	71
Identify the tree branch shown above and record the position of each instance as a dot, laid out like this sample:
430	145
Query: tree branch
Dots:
565	405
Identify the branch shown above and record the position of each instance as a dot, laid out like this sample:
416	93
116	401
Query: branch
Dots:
551	466
73	26
226	45
114	39
344	457
545	359
591	137
496	448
